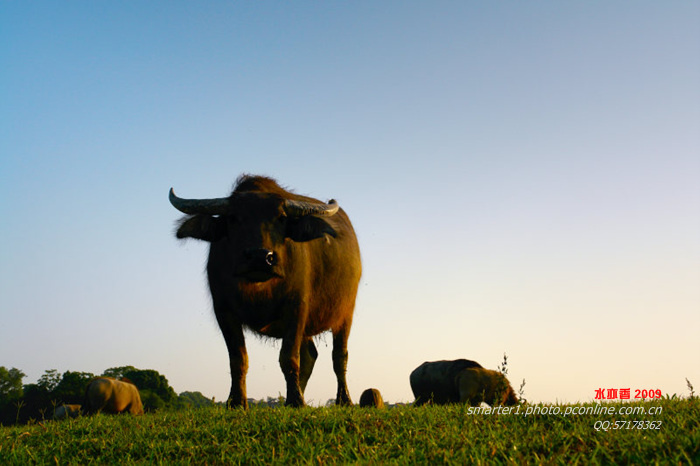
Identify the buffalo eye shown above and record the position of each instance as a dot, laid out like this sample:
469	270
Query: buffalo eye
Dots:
308	228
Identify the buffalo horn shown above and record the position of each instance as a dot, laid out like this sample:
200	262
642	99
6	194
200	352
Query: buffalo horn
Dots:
301	208
199	206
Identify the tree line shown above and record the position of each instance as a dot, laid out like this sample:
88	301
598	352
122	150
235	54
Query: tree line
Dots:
22	403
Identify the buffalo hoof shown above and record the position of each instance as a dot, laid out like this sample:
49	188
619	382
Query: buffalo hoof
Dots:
231	403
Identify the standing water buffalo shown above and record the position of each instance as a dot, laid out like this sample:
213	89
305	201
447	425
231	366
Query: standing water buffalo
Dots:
112	396
282	265
460	381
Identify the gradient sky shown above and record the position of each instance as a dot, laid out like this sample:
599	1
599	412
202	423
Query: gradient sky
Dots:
523	179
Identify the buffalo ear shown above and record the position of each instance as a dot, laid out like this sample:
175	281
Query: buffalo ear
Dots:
308	227
204	227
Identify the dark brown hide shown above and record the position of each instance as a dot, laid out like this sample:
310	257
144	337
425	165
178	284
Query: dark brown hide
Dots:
371	398
435	381
284	266
112	396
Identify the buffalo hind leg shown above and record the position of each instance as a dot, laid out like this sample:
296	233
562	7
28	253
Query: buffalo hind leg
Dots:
290	365
307	355
340	363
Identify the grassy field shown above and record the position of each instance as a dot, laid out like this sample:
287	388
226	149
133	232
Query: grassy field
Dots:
425	435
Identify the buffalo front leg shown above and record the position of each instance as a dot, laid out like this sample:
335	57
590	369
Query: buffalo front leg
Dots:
307	355
238	359
340	363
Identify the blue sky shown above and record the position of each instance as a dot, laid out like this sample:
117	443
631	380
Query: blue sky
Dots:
523	178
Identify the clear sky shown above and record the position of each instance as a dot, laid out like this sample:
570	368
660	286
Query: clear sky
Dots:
524	178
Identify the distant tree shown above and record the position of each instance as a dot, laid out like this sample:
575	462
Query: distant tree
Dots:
151	401
51	390
194	400
11	393
156	392
153	387
37	402
34	404
49	380
118	372
71	388
10	384
21	403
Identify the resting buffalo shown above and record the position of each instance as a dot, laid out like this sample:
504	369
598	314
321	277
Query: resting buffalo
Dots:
371	398
459	381
65	411
282	265
108	395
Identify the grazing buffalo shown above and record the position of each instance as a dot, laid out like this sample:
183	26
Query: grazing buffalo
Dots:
476	384
283	266
66	411
371	398
435	381
108	395
460	381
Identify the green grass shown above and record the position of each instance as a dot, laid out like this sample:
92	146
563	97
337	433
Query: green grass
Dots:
425	435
